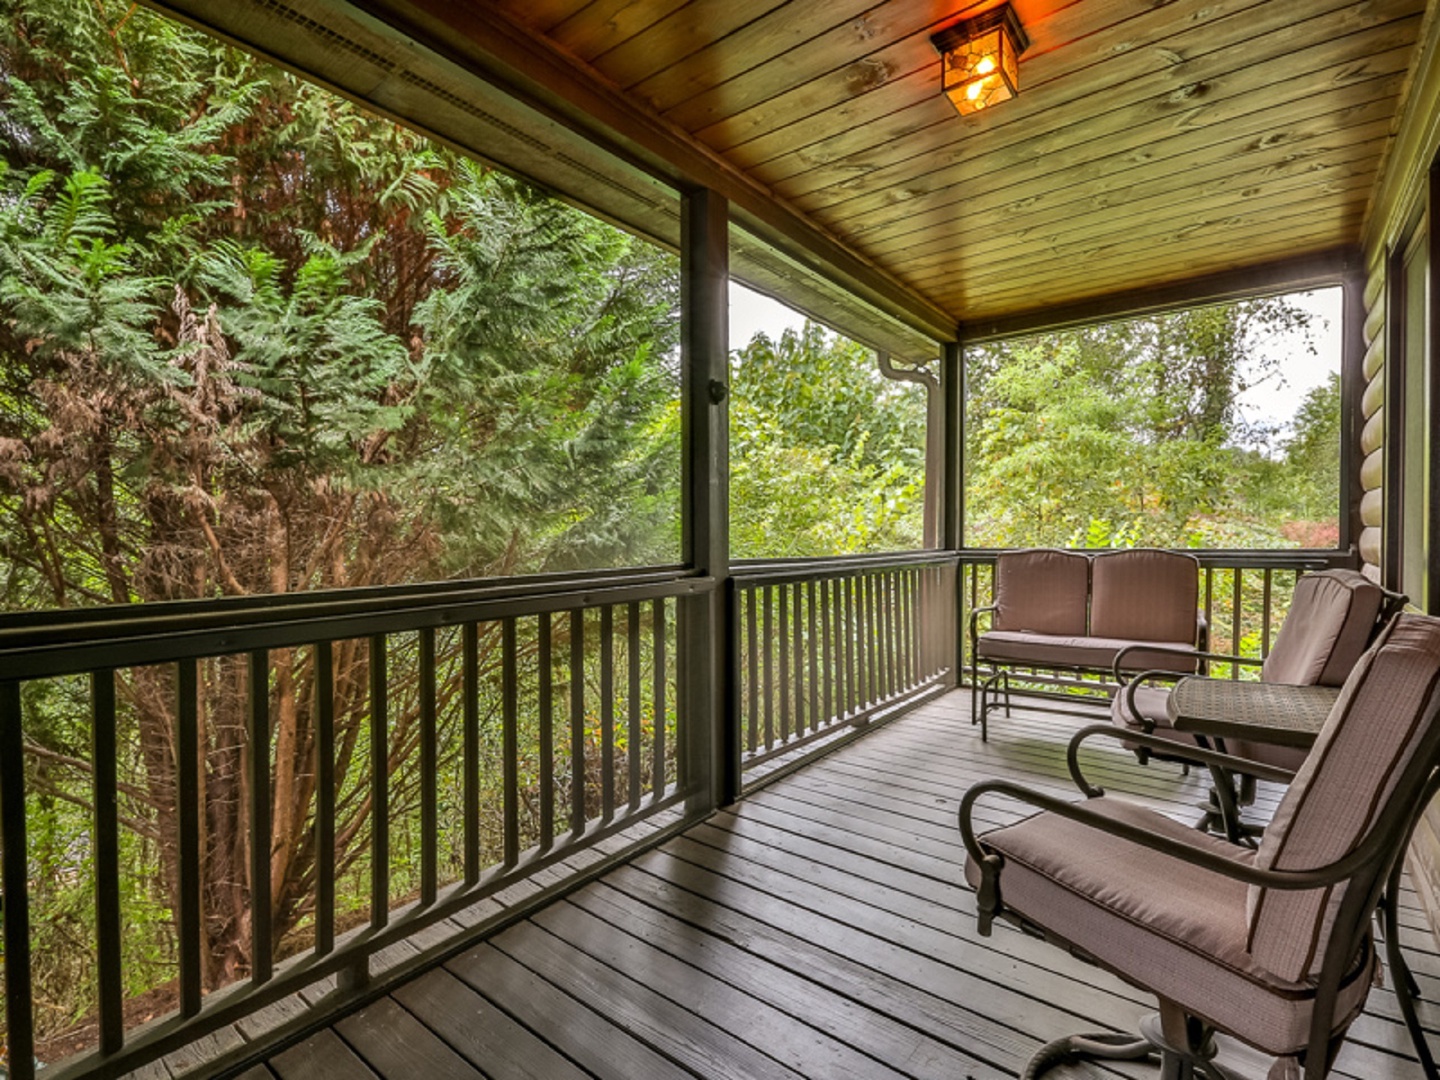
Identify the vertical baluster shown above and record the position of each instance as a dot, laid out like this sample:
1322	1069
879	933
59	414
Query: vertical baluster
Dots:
547	733
1235	620
784	645
577	721
104	756
798	654
1210	606
470	749
875	642
429	771
867	638
379	783
324	797
768	682
510	739
607	712
1265	607
817	720
15	881
261	941
852	637
187	813
917	668
827	650
752	667
658	769
904	664
892	637
636	736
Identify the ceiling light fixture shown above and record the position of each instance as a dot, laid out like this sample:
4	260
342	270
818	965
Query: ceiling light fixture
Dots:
980	59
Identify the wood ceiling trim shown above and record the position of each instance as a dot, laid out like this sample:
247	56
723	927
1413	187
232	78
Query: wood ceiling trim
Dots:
677	38
1246	97
841	50
1095	280
537	72
1349	189
1184	87
601	26
796	40
1025	207
1125	264
1016	180
1135	252
914	94
1047	77
1310	271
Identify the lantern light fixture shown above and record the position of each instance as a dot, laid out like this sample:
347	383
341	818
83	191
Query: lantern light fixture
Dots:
980	59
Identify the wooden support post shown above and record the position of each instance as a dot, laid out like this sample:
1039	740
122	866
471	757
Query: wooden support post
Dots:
952	387
711	752
1352	420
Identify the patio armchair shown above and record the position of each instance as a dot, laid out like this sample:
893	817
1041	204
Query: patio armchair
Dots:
1273	946
1069	614
1333	617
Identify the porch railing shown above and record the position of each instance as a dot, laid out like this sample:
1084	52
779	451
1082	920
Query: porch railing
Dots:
511	724
570	682
823	645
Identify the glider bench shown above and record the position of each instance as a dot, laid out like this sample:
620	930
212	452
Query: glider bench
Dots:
1059	615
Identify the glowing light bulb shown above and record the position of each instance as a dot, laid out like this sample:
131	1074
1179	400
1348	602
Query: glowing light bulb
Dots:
973	90
985	66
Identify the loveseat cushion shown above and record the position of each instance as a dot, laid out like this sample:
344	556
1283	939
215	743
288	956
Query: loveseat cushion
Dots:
1079	651
1042	590
1144	595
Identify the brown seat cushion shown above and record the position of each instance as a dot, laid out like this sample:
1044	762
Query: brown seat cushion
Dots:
1067	650
1041	590
1158	921
1144	595
1329	624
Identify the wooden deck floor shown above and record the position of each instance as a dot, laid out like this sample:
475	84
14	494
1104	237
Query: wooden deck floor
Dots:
817	931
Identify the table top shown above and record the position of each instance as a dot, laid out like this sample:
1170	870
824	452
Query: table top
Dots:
1256	711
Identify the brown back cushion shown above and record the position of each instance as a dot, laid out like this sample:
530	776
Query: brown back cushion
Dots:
1383	715
1144	595
1042	590
1327	628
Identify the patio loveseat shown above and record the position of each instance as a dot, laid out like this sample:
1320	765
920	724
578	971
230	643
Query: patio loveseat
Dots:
1058	615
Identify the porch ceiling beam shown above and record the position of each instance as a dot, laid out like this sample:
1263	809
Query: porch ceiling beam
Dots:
1310	271
485	40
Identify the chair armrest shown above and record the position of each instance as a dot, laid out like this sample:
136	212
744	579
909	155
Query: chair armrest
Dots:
1168	650
1196	753
975	614
1313	878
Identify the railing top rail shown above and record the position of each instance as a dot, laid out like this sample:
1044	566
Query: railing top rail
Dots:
1220	558
231	609
26	653
752	571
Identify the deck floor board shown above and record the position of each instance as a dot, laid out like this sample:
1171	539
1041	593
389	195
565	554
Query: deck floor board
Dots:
819	928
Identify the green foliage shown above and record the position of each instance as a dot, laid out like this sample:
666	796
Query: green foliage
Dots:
827	457
1129	434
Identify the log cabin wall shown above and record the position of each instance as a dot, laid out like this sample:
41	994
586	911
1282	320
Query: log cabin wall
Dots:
1400	198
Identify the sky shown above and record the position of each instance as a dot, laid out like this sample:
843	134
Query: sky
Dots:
1272	403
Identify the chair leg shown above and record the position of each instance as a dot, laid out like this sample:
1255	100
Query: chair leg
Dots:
1407	990
1185	1045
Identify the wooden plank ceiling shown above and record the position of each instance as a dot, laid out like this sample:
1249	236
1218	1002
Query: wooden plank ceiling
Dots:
1152	141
